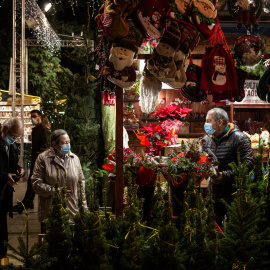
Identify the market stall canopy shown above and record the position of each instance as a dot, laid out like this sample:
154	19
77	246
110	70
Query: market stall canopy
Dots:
28	99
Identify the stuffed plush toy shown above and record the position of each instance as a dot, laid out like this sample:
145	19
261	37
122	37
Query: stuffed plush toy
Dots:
111	17
246	12
249	50
203	15
119	67
255	140
179	9
180	74
247	133
161	63
265	137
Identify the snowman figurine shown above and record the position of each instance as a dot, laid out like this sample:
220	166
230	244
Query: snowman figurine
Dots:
219	76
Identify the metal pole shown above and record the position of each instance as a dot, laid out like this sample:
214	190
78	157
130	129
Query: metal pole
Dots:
13	84
26	69
22	81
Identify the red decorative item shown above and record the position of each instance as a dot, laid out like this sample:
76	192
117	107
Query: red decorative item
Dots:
146	177
154	137
171	111
203	15
148	17
182	181
218	69
108	98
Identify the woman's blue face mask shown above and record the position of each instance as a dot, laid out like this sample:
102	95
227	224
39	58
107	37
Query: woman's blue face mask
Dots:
209	129
65	149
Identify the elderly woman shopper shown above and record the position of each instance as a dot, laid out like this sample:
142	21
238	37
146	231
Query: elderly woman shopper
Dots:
58	164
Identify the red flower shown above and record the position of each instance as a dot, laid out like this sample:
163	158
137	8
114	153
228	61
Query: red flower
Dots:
172	111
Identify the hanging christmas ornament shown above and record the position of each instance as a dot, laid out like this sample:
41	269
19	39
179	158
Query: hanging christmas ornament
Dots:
266	6
245	12
249	50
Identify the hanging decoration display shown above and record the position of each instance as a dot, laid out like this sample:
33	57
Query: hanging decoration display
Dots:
161	63
149	17
219	76
191	90
245	12
203	15
249	50
119	66
150	87
42	30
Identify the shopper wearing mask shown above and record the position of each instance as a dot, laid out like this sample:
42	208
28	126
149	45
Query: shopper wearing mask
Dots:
225	140
10	173
40	134
58	164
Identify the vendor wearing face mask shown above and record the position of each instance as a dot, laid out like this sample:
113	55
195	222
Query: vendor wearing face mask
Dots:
224	139
10	173
40	134
58	164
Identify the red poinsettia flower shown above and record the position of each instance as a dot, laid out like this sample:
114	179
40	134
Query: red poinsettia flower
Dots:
172	111
108	166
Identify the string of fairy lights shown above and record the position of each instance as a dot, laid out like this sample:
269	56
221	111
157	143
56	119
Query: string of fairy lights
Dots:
41	28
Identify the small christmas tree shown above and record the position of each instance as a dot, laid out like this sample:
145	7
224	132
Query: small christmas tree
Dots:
162	247
197	237
31	259
258	185
58	235
89	242
243	245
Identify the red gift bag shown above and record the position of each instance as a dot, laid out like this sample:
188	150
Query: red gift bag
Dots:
146	177
218	67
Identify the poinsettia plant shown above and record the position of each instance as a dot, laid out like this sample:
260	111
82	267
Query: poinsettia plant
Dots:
187	167
154	137
141	167
172	111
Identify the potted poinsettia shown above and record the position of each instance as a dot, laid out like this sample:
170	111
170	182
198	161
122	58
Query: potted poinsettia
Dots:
140	167
188	166
172	111
154	137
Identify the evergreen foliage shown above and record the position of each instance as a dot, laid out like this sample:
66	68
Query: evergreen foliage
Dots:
161	250
243	245
58	234
196	236
258	184
33	258
89	244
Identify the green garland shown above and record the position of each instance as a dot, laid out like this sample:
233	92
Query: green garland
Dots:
257	70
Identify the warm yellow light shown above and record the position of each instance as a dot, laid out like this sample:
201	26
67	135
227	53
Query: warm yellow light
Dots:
47	7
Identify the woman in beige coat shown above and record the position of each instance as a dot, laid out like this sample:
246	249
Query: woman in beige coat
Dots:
58	162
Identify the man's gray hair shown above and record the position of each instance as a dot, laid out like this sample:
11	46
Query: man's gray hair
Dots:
55	137
219	114
13	122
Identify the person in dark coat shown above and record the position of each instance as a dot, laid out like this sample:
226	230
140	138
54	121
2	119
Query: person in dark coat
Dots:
225	140
10	172
40	135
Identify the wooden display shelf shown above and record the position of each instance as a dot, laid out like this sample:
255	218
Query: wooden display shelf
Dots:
131	100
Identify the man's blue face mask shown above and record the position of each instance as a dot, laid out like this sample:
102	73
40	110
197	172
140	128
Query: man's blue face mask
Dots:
209	129
65	149
9	140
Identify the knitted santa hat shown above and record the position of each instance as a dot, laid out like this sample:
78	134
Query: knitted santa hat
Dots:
129	41
172	35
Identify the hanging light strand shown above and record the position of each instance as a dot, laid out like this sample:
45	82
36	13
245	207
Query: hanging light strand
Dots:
42	29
